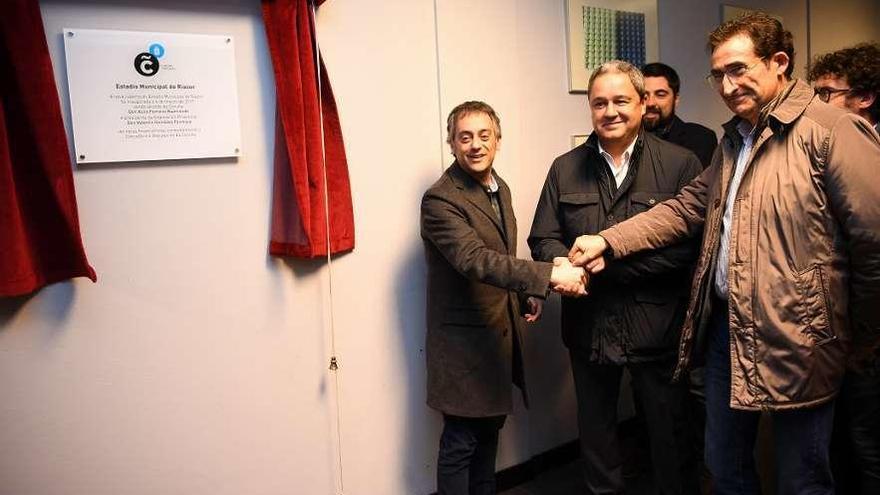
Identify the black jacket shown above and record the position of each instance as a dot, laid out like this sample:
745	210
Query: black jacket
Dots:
636	305
701	140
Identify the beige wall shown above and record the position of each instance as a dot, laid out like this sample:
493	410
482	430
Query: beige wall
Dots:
836	24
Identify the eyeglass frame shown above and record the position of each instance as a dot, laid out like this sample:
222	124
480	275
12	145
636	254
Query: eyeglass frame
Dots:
830	92
716	78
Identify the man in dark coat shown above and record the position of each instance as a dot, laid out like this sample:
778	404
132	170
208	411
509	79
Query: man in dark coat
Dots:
849	78
662	87
477	292
634	312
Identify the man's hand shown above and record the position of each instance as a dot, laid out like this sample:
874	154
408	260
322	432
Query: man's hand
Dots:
536	307
587	252
567	279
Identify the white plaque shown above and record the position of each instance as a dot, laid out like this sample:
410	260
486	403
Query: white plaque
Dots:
151	96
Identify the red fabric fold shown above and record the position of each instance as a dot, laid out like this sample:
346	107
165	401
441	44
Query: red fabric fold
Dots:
299	222
40	240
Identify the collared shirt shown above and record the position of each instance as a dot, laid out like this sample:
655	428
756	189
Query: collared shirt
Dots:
619	172
492	191
747	132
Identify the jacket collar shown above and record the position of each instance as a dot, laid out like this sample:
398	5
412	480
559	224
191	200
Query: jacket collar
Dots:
792	106
672	128
592	142
476	194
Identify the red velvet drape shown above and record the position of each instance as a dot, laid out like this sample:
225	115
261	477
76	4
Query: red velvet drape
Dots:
40	240
298	208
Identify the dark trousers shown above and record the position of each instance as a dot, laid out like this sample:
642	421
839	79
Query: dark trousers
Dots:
466	462
597	387
856	442
801	437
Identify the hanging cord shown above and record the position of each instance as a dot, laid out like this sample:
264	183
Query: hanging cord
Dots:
439	91
334	363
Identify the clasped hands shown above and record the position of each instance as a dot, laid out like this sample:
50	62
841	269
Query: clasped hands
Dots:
567	279
571	276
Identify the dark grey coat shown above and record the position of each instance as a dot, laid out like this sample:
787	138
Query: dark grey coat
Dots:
476	287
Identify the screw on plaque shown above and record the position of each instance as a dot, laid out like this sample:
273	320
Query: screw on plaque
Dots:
70	34
82	157
333	364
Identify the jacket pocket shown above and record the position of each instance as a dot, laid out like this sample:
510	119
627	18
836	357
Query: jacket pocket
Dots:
463	346
814	308
644	201
579	212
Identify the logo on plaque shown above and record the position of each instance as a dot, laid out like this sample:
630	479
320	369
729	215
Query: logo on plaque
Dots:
146	64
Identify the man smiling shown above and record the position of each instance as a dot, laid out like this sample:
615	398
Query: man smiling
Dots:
634	312
788	279
477	292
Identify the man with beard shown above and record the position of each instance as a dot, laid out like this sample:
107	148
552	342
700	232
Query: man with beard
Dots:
662	85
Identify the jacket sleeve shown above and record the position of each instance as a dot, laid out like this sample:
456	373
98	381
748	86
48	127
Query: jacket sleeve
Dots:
670	222
547	238
852	164
656	263
445	227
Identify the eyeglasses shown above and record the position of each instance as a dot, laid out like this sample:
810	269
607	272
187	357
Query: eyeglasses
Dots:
733	74
825	94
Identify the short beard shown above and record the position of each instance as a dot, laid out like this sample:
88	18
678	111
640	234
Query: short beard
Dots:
660	123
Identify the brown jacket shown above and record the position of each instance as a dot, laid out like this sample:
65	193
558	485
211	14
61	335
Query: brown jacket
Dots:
476	287
804	274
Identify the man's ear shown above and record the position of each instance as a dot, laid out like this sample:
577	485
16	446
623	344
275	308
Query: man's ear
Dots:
864	101
675	101
782	60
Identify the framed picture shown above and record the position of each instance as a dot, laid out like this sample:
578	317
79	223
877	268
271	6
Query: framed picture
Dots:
578	139
603	30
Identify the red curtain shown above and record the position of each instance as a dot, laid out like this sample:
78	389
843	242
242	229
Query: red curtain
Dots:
302	150
40	240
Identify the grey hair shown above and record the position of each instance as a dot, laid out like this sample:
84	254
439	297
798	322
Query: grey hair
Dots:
620	67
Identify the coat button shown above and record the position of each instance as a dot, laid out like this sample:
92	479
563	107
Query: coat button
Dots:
610	218
652	201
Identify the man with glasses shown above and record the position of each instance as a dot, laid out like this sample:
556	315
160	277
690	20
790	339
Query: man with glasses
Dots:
850	79
786	290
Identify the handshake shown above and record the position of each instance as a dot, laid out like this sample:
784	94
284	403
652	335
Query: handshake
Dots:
571	276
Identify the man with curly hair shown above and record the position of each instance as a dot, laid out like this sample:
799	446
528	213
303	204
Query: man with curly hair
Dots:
850	79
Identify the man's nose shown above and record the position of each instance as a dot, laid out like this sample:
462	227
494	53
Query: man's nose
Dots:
727	86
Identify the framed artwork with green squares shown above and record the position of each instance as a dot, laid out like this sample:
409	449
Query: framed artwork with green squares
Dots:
603	30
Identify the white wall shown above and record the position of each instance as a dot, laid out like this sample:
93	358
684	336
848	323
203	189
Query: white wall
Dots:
198	364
